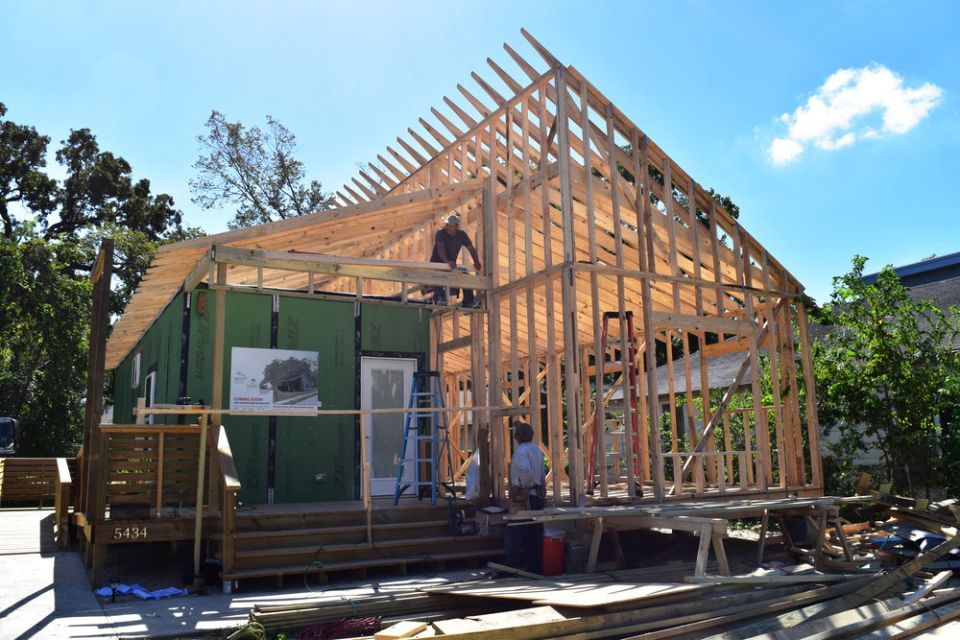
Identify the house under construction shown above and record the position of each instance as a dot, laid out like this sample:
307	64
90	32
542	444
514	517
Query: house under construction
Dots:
602	259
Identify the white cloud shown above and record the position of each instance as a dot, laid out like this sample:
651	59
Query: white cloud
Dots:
785	150
853	104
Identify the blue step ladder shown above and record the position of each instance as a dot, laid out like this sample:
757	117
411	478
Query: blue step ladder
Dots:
427	432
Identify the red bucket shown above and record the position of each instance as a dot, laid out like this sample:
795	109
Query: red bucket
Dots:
552	555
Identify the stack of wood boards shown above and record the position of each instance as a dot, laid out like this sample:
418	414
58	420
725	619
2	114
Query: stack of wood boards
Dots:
418	599
773	612
658	602
931	515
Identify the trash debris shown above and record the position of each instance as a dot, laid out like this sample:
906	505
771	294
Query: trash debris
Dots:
140	592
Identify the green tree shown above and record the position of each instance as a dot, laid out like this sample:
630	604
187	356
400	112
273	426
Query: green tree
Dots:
51	234
886	371
279	371
255	171
22	178
44	312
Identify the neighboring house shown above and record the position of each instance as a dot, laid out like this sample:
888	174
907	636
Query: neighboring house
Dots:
721	373
936	279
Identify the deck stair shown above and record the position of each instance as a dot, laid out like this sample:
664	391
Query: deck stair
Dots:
318	539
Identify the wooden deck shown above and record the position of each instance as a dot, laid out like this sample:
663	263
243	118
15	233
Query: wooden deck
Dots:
27	531
273	541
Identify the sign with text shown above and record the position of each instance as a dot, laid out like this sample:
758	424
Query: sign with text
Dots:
273	379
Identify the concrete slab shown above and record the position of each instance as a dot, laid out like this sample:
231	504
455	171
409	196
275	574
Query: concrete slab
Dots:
48	596
194	615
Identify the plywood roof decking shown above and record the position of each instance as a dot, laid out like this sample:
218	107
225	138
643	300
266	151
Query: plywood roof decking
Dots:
359	230
519	135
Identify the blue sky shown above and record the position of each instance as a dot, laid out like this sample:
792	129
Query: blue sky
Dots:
708	81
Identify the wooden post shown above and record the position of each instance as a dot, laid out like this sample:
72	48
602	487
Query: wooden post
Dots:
755	339
703	550
198	514
217	403
478	398
762	542
365	473
220	310
498	447
96	359
813	424
595	544
568	297
160	463
229	485
598	437
648	263
626	362
62	503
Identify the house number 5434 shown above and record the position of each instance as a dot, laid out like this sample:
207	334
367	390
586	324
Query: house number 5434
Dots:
129	533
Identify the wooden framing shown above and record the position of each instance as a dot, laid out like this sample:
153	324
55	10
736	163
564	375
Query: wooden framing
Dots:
577	212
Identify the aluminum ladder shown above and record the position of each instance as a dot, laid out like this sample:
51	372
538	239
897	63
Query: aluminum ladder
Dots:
425	427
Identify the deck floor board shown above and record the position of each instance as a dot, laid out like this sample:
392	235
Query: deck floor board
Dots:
27	531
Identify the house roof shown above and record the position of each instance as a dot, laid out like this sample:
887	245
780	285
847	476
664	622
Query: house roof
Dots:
721	372
943	292
924	272
722	369
393	206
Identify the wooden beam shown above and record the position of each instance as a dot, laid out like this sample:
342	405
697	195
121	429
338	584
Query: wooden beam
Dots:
412	272
453	345
702	323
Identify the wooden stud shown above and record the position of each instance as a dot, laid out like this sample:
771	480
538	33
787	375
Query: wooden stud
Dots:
569	296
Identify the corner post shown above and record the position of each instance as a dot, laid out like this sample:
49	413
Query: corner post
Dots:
96	361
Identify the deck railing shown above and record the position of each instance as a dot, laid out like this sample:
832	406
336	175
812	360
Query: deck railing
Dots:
147	470
30	480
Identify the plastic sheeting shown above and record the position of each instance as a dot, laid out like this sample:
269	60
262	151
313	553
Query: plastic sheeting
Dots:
140	592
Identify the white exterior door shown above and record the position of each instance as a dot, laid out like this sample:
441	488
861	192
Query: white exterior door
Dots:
385	384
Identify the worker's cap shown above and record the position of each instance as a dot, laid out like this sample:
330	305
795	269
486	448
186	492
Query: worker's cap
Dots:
453	219
522	431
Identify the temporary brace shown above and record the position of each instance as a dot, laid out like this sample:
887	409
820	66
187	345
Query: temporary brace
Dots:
421	427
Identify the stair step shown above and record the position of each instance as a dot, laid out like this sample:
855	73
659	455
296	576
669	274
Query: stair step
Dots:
339	530
266	521
382	546
264	572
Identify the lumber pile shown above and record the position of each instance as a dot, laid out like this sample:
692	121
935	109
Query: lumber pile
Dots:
657	602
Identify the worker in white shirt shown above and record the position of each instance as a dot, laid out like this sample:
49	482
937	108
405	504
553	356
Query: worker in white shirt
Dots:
524	542
473	477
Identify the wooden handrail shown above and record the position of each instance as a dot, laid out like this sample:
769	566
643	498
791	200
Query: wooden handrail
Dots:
61	496
63	471
229	488
228	470
145	429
